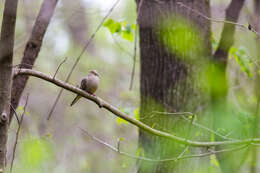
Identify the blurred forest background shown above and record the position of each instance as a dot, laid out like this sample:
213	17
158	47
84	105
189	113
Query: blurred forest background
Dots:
59	145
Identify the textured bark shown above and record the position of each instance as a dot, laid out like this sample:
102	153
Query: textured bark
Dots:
6	60
32	49
167	82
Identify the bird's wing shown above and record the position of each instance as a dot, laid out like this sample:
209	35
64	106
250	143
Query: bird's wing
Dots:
83	84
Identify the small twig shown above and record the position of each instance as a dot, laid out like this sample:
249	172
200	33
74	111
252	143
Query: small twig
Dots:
182	153
17	133
194	123
118	145
244	26
172	113
80	55
180	157
135	46
15	113
120	47
65	59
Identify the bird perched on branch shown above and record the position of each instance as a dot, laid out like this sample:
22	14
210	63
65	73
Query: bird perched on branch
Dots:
88	84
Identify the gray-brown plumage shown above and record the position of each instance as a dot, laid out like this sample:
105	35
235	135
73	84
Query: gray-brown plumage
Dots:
88	84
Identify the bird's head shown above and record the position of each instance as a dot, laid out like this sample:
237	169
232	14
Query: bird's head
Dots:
94	72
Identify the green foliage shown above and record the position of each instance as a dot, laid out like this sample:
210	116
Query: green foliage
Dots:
20	109
125	30
128	111
35	152
136	114
121	121
213	161
213	77
181	37
241	56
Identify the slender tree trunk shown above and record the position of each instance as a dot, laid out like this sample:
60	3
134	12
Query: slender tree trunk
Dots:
6	62
229	162
167	78
254	151
32	49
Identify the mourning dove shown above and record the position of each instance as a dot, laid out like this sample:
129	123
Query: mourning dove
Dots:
88	84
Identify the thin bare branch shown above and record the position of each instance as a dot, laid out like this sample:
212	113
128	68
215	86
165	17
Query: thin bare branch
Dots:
120	47
243	26
135	46
15	113
17	133
180	157
80	55
194	123
65	59
103	104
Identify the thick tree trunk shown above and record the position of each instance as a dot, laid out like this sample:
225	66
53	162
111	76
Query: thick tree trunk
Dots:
167	79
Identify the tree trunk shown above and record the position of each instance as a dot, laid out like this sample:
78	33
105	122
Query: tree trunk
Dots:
6	62
171	56
254	167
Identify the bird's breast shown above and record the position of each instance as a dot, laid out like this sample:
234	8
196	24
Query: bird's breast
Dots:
92	84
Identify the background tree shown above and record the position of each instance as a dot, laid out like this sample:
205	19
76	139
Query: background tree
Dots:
172	52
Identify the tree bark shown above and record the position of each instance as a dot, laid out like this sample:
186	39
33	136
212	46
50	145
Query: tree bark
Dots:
167	80
32	49
6	62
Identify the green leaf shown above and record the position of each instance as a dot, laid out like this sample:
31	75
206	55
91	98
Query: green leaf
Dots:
214	161
121	121
136	113
241	56
19	110
113	26
127	35
123	28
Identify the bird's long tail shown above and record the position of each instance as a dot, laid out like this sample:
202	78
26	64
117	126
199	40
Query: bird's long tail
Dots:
75	100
